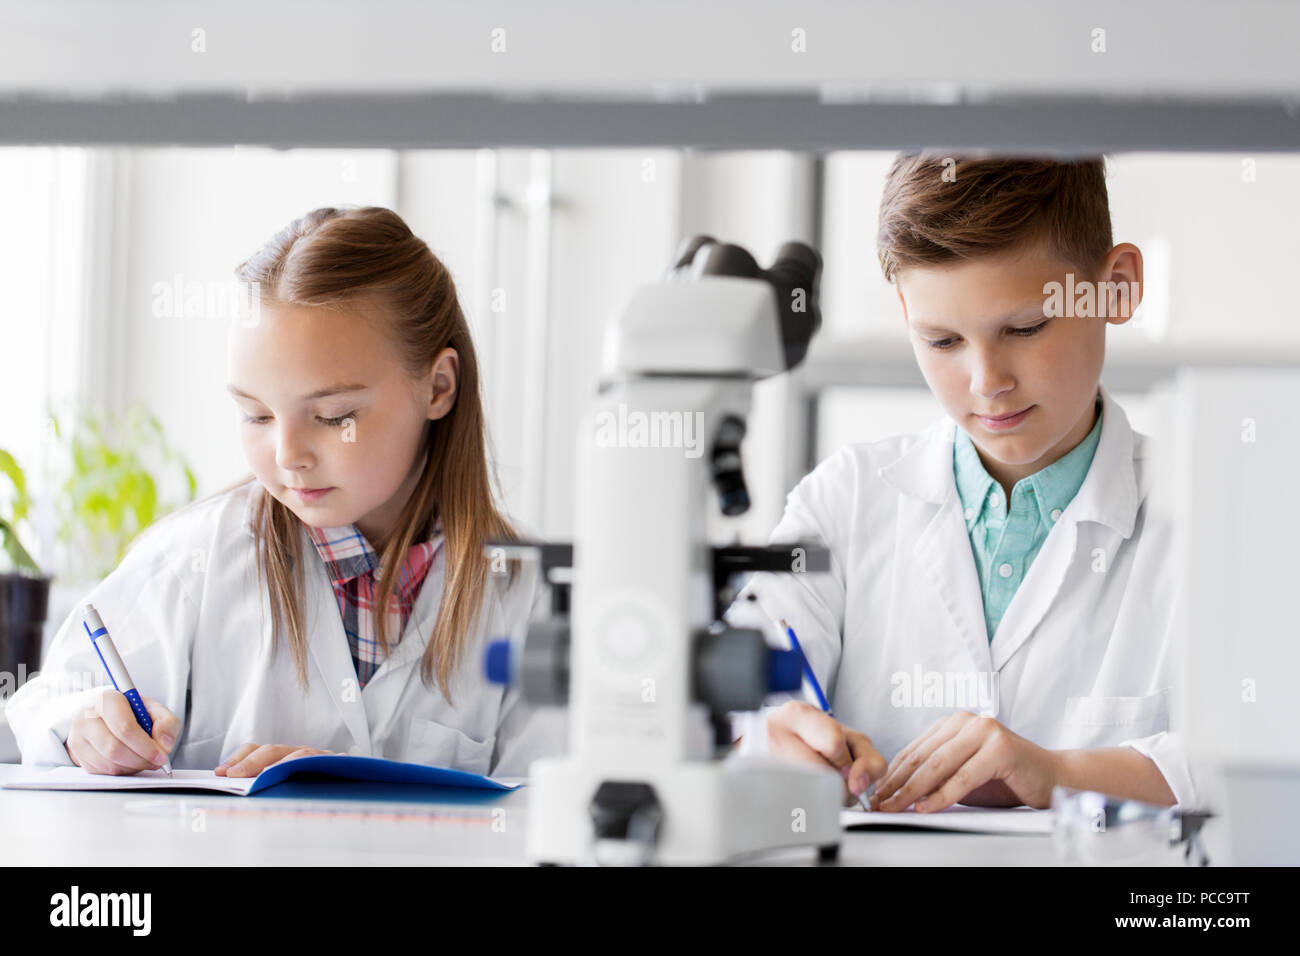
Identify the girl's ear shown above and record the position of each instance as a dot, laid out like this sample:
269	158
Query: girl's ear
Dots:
446	377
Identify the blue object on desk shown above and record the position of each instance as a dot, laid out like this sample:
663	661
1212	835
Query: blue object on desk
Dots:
344	767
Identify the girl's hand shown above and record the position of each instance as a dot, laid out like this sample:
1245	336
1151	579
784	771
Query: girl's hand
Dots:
968	759
251	759
799	731
106	739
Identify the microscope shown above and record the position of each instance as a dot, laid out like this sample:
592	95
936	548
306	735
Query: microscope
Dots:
636	646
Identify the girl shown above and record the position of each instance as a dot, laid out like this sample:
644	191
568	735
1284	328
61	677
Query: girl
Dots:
253	616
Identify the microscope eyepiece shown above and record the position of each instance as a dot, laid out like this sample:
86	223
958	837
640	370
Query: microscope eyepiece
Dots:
793	276
800	264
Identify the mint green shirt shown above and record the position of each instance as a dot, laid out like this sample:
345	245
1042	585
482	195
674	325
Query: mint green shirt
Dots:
1006	540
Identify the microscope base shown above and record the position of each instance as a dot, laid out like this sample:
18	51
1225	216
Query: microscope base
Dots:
712	811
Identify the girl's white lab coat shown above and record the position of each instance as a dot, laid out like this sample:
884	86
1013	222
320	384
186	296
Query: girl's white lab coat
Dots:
193	627
1081	658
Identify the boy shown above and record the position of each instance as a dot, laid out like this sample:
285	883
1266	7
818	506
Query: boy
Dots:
997	614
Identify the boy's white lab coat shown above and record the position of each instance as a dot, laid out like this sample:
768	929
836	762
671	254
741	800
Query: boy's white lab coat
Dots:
1081	658
186	613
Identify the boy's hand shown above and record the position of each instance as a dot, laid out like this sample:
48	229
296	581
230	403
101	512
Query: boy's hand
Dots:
968	759
106	738
799	731
251	759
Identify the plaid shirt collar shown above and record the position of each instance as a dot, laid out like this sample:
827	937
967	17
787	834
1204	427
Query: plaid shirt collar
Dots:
348	555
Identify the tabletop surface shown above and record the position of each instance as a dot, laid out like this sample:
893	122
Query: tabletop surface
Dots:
154	828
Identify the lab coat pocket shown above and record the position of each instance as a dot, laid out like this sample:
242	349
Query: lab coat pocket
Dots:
1132	716
440	745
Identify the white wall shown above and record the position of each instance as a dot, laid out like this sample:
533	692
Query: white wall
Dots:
1158	47
613	221
198	214
615	227
42	251
1232	244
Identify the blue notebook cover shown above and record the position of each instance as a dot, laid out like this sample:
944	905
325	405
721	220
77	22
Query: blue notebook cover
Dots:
344	767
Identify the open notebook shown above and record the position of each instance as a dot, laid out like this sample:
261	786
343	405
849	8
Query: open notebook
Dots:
315	766
963	819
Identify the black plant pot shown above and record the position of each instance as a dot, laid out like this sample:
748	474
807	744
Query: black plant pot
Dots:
24	601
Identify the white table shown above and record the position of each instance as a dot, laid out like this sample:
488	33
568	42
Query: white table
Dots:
122	828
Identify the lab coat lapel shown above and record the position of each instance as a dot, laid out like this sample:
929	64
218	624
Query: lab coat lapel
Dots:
944	551
1109	495
327	644
402	666
942	548
1036	592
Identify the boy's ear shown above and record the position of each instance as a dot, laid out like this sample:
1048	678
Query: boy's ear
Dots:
901	301
1122	275
445	376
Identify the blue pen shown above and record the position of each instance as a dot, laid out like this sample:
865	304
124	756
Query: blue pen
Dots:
822	702
112	661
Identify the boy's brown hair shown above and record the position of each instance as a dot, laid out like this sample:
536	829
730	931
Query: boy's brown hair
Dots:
938	209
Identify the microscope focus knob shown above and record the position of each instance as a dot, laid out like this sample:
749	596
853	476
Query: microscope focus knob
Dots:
735	669
540	667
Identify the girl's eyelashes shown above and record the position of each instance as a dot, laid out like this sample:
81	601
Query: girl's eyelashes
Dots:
944	344
333	422
342	419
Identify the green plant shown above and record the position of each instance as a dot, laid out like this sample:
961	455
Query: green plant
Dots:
20	504
111	490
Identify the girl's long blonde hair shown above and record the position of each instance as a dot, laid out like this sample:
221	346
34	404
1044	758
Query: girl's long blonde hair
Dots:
332	258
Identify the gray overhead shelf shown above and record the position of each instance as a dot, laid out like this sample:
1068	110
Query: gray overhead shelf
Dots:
1061	126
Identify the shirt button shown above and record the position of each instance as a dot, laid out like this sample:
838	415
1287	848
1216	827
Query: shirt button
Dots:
995	500
970	513
1005	570
1056	514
